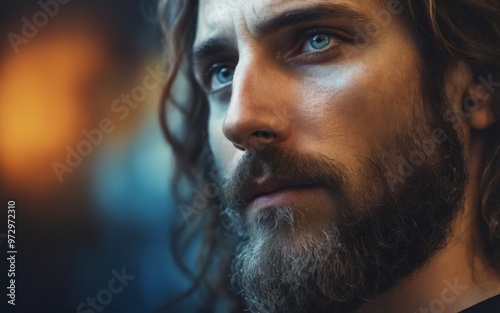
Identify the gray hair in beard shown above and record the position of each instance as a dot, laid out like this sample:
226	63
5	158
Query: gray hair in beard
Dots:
378	238
277	274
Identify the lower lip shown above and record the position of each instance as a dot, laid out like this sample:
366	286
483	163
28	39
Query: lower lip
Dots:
287	197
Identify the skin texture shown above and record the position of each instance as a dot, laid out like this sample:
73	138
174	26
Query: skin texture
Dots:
351	99
344	103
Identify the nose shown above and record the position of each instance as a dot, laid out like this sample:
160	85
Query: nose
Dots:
259	112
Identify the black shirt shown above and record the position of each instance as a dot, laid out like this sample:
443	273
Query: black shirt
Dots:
492	305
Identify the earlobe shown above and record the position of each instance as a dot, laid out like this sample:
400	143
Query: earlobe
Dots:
478	106
473	96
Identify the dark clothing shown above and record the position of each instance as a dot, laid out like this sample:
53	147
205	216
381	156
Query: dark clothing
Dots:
492	305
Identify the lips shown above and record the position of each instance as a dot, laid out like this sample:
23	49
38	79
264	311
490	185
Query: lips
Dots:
270	184
273	190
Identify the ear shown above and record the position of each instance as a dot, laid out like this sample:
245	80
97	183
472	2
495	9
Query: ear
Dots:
479	97
475	93
480	112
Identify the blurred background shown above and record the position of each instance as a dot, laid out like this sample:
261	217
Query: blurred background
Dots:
83	157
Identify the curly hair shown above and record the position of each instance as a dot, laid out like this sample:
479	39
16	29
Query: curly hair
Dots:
446	32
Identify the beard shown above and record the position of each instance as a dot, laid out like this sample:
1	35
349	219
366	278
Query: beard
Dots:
384	228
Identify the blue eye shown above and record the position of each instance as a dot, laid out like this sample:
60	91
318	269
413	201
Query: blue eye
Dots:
224	75
319	41
218	76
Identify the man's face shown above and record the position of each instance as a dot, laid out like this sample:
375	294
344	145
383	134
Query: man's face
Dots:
337	181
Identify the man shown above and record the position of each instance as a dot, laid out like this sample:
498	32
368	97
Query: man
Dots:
356	146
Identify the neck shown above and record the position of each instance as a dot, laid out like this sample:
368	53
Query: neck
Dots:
457	277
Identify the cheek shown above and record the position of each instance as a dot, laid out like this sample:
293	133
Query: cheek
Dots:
357	107
225	154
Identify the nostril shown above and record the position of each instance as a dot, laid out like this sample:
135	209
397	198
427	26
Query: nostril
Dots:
239	147
258	140
265	136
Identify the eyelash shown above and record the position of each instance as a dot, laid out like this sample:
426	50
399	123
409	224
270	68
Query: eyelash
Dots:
303	36
211	70
337	41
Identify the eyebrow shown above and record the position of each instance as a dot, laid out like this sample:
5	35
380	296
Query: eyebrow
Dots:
310	14
218	44
212	46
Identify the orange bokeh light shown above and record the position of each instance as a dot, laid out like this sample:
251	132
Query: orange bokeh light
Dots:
43	105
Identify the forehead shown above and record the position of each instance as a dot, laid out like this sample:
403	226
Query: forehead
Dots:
234	18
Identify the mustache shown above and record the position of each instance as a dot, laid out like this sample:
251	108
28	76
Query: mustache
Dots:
282	163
